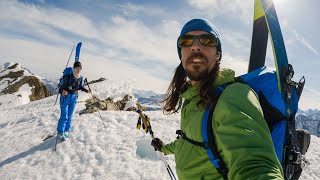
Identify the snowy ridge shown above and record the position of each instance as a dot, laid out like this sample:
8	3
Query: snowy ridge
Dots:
311	170
22	95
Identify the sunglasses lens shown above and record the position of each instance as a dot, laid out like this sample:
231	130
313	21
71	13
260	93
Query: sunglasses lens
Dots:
208	40
185	41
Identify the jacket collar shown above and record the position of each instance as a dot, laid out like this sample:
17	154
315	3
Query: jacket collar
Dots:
224	76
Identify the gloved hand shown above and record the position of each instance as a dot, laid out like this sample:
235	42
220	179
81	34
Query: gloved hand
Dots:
64	92
157	144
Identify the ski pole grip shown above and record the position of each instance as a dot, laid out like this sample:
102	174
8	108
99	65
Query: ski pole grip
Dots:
86	81
143	119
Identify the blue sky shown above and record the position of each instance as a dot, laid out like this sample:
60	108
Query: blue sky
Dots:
136	40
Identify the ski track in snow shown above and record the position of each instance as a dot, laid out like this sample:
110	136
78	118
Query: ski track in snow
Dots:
92	152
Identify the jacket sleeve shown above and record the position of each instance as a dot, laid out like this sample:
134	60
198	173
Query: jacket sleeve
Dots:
81	87
243	136
170	148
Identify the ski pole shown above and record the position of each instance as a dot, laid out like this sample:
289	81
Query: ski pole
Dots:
70	55
163	159
65	67
86	82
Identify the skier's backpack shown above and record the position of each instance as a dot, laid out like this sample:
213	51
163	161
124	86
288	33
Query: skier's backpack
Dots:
289	143
67	71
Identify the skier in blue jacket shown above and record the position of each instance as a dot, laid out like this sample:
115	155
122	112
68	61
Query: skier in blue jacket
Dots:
68	100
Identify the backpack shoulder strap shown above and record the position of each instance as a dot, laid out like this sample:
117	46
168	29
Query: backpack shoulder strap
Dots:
70	76
211	147
208	136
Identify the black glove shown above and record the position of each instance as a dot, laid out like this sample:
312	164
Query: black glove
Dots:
157	144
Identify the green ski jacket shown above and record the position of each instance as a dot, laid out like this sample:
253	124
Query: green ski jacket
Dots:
241	134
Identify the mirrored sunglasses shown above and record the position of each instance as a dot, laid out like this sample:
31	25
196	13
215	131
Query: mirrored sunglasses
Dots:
204	39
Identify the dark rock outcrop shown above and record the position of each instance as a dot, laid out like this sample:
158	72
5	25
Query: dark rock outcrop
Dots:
95	104
16	79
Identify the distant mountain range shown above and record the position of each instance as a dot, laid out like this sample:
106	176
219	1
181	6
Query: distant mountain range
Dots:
308	120
149	99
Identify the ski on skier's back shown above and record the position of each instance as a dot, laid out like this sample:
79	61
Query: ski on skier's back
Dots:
68	70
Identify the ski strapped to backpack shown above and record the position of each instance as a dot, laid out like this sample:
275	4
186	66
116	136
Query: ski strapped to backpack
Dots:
290	92
68	70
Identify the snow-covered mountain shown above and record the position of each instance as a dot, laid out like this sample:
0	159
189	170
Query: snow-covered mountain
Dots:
308	112
19	86
309	120
119	151
310	123
149	99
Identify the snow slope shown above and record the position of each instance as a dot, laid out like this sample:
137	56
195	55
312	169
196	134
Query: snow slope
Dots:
92	152
118	152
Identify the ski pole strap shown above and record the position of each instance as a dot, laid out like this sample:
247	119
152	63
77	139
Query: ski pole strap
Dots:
183	136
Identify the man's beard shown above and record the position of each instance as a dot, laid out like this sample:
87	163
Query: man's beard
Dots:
196	74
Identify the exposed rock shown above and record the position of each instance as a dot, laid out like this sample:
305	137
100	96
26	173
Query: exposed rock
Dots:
98	80
112	107
16	77
122	103
95	104
38	90
13	66
13	75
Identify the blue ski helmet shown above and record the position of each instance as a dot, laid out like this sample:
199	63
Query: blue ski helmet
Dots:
200	25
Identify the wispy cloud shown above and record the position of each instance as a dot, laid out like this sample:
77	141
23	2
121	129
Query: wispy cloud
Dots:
143	42
45	23
239	9
304	42
118	33
117	41
135	10
121	39
310	98
238	64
